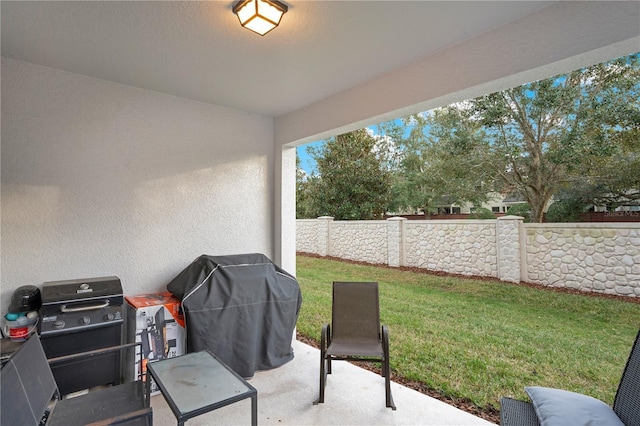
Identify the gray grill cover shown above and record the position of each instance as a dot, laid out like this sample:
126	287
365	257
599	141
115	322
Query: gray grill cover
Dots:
243	308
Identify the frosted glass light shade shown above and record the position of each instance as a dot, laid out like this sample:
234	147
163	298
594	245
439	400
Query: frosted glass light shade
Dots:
260	16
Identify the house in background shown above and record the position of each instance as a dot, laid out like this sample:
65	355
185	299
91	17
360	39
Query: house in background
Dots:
138	135
496	203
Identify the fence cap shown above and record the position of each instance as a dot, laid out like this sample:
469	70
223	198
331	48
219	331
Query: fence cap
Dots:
511	217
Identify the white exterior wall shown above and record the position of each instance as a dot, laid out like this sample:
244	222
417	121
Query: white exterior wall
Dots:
456	246
494	200
105	179
598	257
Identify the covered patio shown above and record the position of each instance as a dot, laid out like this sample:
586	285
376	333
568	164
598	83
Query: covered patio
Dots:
354	396
137	136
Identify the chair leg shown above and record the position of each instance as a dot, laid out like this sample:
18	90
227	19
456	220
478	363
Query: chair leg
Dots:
323	380
387	387
328	341
386	369
323	362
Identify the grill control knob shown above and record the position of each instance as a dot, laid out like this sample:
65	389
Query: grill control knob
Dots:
85	320
58	324
110	316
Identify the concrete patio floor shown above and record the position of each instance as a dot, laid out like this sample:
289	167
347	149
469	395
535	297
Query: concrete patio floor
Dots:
353	396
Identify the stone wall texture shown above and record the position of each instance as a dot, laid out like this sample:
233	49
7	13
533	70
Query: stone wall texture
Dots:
603	258
462	247
364	241
597	257
508	247
307	235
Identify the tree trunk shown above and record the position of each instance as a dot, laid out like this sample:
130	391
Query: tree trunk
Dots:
537	213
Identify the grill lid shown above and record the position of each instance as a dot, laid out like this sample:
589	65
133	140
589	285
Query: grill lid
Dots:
83	289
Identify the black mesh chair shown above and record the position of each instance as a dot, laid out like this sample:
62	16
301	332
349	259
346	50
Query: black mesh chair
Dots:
29	394
355	333
626	404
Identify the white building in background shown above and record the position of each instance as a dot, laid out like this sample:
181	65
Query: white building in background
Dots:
499	203
496	203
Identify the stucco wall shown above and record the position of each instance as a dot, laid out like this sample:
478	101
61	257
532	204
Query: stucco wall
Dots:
105	179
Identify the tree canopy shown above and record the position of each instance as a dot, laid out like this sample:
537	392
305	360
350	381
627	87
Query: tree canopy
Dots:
578	130
574	138
353	180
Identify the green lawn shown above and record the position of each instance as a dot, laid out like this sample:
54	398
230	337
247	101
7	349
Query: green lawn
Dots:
481	340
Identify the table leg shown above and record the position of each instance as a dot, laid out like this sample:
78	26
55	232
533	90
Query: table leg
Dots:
147	386
254	410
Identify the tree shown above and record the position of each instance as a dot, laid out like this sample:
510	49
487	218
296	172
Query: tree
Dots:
304	193
616	183
411	190
565	210
482	213
354	181
538	138
550	133
425	177
522	209
439	161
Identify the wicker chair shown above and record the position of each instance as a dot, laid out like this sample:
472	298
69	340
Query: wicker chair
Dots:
355	333
626	404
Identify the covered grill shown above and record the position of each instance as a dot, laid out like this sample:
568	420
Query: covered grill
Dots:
243	308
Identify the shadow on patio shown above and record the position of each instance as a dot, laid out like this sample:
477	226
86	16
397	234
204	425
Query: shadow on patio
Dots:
354	396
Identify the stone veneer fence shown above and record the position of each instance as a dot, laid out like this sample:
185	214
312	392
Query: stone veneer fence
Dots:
598	257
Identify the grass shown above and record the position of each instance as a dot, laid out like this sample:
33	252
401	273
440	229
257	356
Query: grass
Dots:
480	340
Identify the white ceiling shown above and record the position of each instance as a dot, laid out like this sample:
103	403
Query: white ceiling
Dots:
198	50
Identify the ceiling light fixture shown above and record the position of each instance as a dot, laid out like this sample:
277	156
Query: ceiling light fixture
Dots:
260	16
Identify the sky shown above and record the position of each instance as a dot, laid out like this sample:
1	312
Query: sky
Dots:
308	164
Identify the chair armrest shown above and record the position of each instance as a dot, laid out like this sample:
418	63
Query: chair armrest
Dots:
96	352
385	340
325	337
514	412
92	353
145	413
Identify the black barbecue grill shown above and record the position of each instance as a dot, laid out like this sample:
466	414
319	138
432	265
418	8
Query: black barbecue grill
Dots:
83	315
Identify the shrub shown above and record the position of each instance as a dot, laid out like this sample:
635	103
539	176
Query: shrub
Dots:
565	211
522	209
482	213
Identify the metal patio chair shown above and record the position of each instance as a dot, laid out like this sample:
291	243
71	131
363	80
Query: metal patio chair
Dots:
29	394
355	333
626	404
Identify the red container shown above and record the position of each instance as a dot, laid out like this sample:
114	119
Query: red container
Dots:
21	328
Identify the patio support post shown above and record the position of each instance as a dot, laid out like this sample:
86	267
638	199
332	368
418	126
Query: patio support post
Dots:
324	235
395	241
508	248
